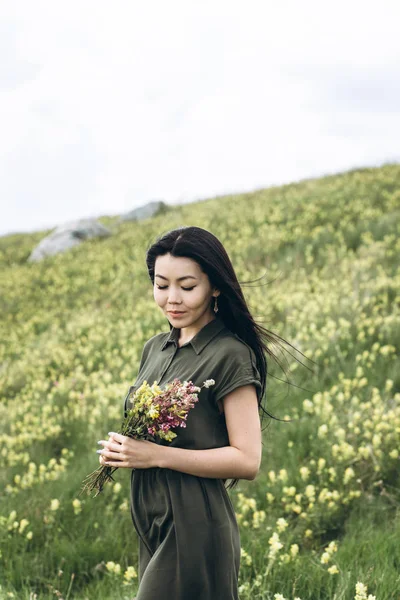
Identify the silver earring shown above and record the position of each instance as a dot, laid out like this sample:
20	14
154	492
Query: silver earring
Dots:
215	305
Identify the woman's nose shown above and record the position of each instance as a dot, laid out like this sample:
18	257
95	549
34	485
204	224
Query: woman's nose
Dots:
174	300
173	297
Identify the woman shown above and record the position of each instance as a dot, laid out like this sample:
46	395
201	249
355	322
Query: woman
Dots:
189	541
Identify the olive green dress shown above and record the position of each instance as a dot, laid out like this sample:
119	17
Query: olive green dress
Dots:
189	540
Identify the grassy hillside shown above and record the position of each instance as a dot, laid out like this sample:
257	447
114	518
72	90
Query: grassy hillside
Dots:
323	514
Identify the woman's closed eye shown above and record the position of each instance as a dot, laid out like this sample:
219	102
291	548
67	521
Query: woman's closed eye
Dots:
164	287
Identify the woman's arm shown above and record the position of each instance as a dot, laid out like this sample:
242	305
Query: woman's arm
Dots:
241	459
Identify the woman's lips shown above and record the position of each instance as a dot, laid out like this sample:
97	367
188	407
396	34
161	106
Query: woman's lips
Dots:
175	314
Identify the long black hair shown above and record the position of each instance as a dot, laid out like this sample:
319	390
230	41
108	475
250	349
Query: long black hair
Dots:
208	252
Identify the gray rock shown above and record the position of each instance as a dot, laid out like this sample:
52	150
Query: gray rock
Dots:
144	212
67	236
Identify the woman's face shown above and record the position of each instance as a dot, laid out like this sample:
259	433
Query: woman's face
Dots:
180	285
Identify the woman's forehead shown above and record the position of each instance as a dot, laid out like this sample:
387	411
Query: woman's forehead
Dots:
177	266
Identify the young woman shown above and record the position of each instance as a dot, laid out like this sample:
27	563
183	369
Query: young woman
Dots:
189	541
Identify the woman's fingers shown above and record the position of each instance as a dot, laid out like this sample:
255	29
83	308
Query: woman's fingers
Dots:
112	446
108	455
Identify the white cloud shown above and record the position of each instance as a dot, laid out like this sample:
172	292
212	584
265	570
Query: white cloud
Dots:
105	106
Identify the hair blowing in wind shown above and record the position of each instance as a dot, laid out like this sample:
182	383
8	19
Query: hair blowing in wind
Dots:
206	249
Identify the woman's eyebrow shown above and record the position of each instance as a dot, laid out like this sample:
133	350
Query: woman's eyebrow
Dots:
179	278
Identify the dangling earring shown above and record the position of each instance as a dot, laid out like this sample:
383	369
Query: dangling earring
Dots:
215	305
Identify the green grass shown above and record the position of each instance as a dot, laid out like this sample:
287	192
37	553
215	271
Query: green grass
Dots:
73	327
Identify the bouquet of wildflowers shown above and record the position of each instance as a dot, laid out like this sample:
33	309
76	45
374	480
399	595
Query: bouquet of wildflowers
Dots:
153	414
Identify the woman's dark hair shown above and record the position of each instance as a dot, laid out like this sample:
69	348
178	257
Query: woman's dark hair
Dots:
203	247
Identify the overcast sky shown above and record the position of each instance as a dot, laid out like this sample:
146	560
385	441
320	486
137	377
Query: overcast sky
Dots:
105	106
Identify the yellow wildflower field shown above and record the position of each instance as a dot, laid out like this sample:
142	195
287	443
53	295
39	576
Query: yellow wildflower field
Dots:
321	520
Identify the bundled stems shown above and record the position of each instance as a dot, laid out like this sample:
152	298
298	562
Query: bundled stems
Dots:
154	413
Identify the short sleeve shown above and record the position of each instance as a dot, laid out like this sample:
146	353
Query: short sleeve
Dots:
236	368
143	358
145	353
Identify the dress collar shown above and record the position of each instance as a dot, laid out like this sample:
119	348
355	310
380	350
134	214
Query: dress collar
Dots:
202	337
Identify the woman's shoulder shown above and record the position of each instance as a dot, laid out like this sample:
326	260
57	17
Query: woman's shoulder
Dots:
155	339
229	343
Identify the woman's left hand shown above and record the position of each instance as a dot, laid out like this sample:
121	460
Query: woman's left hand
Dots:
123	451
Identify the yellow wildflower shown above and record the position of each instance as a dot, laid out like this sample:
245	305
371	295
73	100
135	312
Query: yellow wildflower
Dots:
55	504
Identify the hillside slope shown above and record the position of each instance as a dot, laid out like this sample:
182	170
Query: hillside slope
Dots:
323	514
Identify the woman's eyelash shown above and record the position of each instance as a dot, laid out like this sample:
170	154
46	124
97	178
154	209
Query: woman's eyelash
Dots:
165	286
